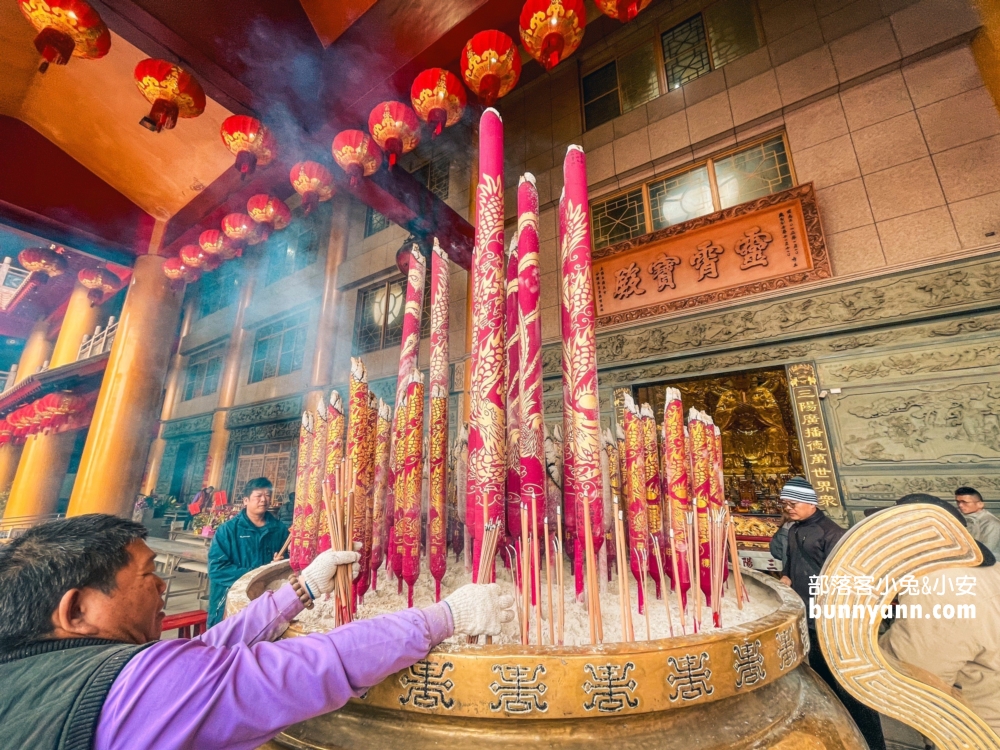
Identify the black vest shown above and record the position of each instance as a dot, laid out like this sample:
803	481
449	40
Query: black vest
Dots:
52	692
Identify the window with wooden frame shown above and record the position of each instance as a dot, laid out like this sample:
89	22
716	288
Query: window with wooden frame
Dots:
201	376
379	318
279	348
218	289
727	179
721	33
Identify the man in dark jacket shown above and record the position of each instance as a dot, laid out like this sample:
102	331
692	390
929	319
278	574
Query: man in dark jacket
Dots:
241	544
811	539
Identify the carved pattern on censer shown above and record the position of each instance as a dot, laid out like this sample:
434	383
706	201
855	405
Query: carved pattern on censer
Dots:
786	648
690	677
519	689
427	685
749	663
610	688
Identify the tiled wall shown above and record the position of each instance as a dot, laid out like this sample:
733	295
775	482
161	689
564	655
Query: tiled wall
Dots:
884	107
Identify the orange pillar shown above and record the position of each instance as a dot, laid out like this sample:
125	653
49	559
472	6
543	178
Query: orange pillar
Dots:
177	367
45	458
219	442
37	349
326	329
125	416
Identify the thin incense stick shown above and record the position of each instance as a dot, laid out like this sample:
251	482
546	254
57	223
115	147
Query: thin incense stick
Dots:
681	604
618	565
559	571
644	557
548	582
588	550
666	589
525	577
624	592
536	571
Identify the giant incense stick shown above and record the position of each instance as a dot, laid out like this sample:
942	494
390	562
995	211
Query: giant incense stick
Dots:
416	273
701	488
314	489
299	553
512	339
580	346
413	464
654	517
380	524
676	496
366	500
636	487
334	446
437	542
357	429
487	419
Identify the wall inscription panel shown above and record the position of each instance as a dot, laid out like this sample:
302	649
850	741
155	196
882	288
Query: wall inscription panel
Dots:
770	243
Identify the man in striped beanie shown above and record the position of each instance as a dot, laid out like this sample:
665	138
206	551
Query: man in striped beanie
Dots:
811	539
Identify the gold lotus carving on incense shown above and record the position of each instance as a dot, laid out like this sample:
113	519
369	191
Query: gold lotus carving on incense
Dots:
899	541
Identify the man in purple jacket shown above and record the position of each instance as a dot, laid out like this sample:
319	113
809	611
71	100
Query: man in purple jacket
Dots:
81	666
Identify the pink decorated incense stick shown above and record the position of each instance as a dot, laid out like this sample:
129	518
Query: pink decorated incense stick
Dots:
315	521
298	551
580	346
334	450
357	428
569	492
416	273
408	529
380	525
437	541
512	338
654	505
701	460
676	495
635	467
366	504
487	419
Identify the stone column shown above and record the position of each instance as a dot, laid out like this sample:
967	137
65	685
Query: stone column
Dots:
326	329
125	416
174	381
219	442
45	458
37	349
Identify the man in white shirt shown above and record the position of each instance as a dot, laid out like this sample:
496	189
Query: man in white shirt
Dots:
983	525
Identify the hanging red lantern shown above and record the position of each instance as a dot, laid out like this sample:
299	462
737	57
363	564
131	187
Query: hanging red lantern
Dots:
47	262
623	10
313	182
491	65
242	230
551	30
271	214
215	244
193	256
395	128
356	153
100	281
250	141
172	92
66	28
178	273
438	98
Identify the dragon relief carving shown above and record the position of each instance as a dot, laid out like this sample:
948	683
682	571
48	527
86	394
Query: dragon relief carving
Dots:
956	424
912	363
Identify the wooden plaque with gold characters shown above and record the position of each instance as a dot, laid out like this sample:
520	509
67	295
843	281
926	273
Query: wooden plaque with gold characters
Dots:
770	243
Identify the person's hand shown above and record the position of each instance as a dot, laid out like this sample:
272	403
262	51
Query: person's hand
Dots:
480	609
785	580
318	574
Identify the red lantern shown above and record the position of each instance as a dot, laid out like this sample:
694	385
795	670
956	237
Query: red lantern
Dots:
271	214
251	141
100	281
491	65
242	230
551	30
395	128
438	98
178	273
623	10
66	28
356	154
215	244
45	261
313	182
193	256
172	92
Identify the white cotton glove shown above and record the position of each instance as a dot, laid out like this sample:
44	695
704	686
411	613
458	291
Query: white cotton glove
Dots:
318	575
480	609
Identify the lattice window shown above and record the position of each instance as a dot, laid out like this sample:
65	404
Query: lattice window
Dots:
279	349
295	247
202	376
681	197
218	289
379	316
685	52
638	81
732	31
618	219
435	175
271	460
600	95
753	172
374	222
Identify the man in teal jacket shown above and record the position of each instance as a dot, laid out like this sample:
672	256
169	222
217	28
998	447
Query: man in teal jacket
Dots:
241	544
